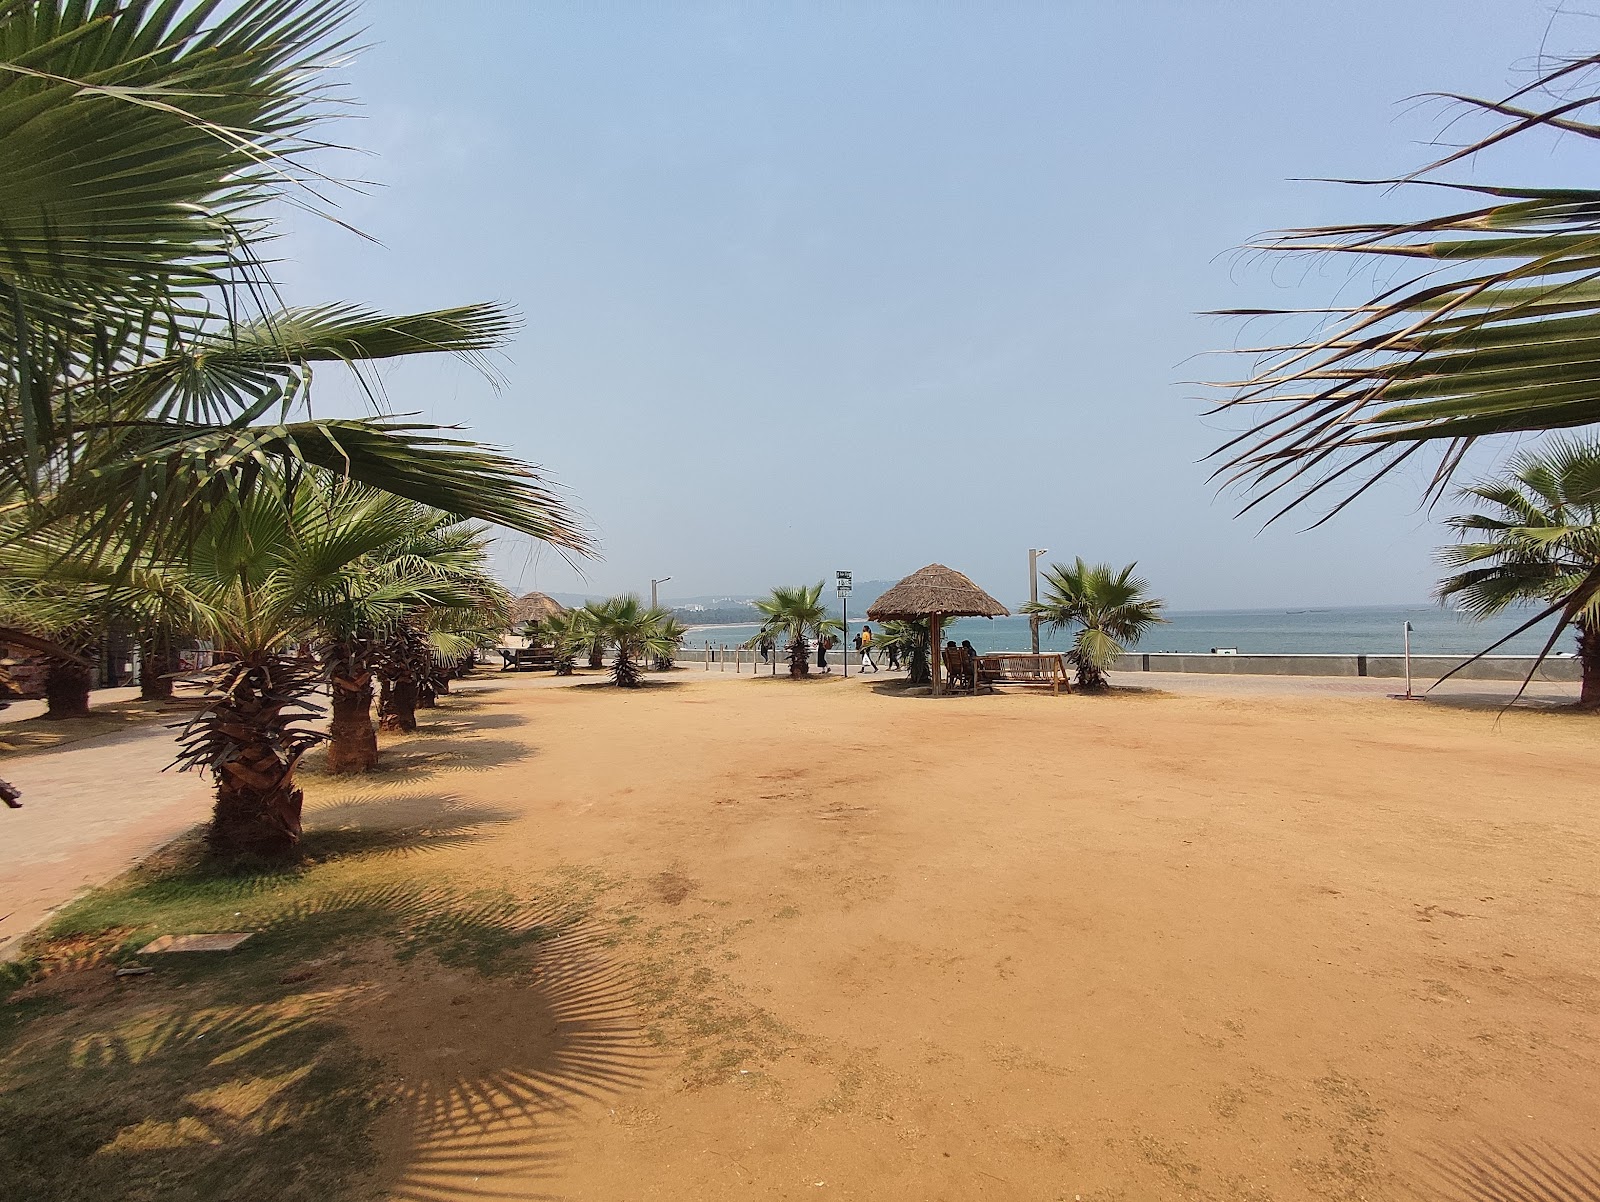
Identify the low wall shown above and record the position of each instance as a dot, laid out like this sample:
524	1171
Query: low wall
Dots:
1423	667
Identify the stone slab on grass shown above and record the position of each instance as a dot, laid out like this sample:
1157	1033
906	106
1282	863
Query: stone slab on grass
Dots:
222	941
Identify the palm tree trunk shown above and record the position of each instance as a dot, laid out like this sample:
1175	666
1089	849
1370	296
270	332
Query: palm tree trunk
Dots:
257	811
66	690
397	709
624	669
799	659
249	739
1589	658
354	740
156	661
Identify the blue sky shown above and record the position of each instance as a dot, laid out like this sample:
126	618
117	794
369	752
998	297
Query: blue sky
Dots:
819	286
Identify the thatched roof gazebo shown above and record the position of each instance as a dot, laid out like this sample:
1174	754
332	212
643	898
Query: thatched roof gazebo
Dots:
935	593
534	607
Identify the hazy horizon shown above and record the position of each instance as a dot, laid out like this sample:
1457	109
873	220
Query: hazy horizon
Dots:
812	287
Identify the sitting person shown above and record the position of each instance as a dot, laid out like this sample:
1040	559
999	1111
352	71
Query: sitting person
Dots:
971	655
954	665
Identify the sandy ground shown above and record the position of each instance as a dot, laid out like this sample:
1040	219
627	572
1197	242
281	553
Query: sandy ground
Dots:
851	944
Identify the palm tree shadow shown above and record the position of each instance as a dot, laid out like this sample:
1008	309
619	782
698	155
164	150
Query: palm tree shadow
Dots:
499	1020
463	1040
490	1088
1512	1172
383	824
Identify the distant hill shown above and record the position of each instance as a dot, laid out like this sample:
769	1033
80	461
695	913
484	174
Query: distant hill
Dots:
725	609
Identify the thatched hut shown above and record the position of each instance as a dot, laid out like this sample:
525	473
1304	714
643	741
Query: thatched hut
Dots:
534	607
935	593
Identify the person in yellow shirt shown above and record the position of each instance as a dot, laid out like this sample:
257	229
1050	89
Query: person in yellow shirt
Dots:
864	645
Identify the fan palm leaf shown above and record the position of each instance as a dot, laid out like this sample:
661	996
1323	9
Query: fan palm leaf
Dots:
1498	332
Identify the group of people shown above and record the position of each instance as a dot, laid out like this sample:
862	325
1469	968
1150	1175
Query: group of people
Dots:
960	663
863	646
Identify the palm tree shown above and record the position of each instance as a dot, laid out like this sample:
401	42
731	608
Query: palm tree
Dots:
264	577
1538	542
636	632
909	642
594	617
568	634
434	566
133	349
794	613
146	379
672	633
1492	335
1109	608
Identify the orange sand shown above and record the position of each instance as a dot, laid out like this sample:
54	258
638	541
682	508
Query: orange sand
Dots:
848	944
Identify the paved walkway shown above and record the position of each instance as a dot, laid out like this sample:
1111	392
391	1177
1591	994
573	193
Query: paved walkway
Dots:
90	811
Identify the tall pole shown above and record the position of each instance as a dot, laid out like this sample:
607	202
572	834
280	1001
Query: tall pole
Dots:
1408	660
1033	592
842	587
653	584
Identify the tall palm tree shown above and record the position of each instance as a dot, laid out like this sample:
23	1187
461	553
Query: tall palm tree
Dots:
1537	542
1109	607
796	612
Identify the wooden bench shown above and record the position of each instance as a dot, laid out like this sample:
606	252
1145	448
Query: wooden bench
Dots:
527	659
1047	670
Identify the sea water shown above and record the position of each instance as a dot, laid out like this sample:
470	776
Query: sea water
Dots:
1374	630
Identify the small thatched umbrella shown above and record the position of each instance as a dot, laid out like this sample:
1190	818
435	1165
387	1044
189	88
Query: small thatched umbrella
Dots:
534	607
935	593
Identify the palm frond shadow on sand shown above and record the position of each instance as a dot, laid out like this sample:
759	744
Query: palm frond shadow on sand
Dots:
1513	1172
517	1019
488	1120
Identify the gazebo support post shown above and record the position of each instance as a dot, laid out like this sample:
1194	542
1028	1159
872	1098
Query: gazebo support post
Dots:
935	654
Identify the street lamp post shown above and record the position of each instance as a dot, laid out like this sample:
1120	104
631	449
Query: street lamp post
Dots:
1033	591
1408	660
653	584
842	580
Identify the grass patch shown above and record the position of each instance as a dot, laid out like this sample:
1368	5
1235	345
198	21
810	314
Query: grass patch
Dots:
224	1076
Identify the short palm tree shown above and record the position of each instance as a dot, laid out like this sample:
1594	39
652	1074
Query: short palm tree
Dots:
568	635
672	634
908	642
265	577
1537	542
594	617
796	613
635	632
1109	609
434	566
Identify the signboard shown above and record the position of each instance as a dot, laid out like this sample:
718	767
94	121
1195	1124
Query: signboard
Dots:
843	579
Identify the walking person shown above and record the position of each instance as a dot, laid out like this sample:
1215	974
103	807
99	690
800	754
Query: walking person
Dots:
766	648
864	646
823	642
